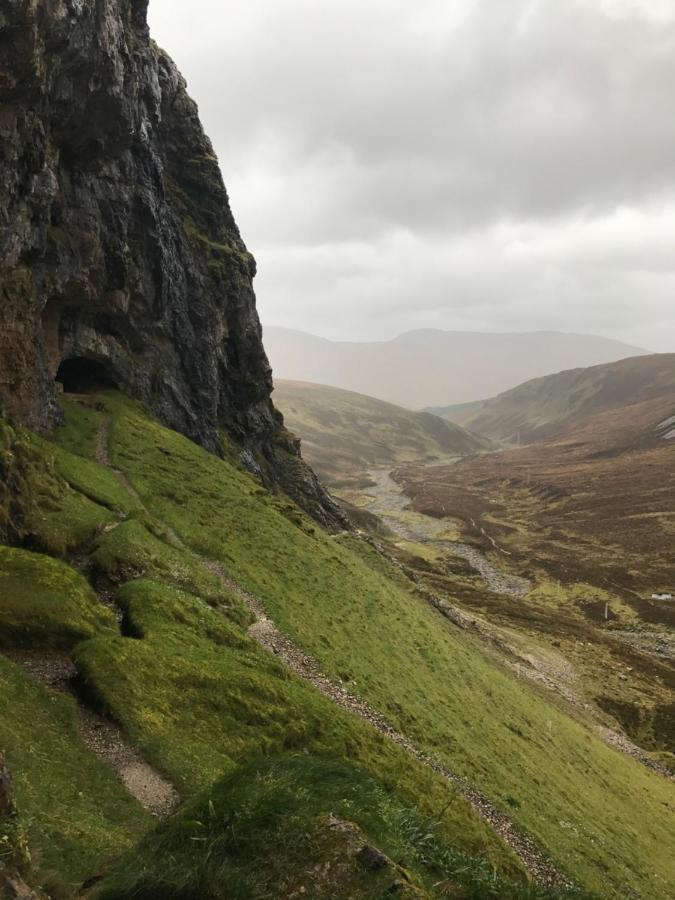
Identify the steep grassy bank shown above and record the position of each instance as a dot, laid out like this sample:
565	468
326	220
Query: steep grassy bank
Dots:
255	832
200	698
192	691
601	816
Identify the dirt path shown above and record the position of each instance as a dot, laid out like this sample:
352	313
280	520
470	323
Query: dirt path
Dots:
538	865
266	633
56	672
102	452
391	505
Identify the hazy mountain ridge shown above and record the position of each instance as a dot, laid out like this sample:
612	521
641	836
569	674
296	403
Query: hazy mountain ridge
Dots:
426	368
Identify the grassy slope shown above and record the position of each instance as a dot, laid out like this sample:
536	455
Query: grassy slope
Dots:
72	807
286	811
199	698
344	434
603	817
44	603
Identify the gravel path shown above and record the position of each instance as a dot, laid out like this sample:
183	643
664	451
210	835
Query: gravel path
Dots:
57	673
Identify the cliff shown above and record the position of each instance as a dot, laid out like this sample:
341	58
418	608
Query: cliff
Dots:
120	261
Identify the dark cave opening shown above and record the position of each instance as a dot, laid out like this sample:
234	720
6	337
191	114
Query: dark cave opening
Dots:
84	376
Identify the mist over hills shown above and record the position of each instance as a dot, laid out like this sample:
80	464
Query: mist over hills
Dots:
428	367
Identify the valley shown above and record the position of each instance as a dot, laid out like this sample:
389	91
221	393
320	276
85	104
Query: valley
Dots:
554	548
344	433
366	636
545	651
264	639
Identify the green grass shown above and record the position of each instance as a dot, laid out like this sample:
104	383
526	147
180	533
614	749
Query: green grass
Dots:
72	807
65	523
46	604
95	482
293	825
138	548
81	420
580	598
200	698
57	515
601	816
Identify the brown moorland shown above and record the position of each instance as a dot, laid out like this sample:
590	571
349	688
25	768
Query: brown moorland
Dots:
587	514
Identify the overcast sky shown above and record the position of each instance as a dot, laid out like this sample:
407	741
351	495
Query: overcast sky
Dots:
480	165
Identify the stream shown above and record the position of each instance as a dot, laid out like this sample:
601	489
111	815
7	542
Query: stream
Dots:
391	505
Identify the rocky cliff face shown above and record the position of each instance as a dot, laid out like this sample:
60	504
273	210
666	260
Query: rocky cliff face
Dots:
120	260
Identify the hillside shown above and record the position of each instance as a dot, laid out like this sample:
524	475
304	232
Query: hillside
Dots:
177	552
345	434
631	396
429	368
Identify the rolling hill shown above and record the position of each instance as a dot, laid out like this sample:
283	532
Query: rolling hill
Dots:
631	396
344	434
428	367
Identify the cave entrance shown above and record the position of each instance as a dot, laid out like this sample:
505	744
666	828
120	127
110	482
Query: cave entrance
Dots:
79	375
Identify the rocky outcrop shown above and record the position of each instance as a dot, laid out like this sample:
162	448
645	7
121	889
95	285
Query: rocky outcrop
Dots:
120	261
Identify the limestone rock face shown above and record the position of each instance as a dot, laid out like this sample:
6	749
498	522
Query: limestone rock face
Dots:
119	255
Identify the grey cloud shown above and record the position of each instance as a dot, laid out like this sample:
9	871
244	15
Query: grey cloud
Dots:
373	152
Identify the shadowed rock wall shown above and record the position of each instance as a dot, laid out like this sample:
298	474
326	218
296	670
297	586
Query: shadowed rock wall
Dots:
117	243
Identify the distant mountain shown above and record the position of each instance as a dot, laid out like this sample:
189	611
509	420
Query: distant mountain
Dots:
430	368
345	434
632	397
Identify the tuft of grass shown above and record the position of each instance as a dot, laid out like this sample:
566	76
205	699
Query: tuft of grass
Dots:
65	524
293	826
95	482
46	604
